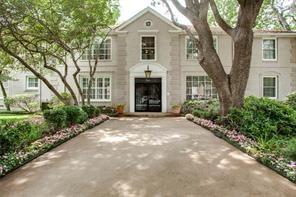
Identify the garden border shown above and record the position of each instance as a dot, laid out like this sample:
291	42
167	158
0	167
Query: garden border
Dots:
247	146
45	144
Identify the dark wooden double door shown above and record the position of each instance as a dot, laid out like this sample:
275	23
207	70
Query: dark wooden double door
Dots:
148	95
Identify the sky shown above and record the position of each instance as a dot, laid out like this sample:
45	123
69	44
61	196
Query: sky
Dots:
129	8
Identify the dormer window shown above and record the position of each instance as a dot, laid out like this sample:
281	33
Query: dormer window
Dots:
148	48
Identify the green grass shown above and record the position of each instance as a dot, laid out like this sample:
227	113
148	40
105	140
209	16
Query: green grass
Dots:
12	116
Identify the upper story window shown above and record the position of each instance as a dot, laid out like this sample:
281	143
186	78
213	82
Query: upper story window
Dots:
192	51
148	48
32	83
100	50
100	89
200	87
270	86
269	49
148	23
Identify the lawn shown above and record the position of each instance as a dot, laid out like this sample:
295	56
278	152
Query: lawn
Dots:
12	116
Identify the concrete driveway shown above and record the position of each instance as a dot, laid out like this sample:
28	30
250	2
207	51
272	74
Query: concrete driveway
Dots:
145	157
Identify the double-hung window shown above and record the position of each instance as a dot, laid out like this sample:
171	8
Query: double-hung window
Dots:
200	87
148	48
269	49
100	88
32	83
270	86
100	49
191	48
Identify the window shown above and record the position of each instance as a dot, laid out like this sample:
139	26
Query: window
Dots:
270	86
269	49
148	23
100	90
32	83
103	52
200	87
191	49
148	48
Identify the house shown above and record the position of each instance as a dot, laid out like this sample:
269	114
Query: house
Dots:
149	41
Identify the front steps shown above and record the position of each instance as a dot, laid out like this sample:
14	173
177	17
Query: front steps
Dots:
150	114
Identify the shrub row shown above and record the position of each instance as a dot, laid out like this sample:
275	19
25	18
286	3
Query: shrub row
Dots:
69	115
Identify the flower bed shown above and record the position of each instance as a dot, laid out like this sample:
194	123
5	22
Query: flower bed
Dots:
13	160
282	166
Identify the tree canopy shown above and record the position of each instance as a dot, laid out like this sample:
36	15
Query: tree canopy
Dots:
274	14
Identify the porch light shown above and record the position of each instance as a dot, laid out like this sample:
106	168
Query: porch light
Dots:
148	72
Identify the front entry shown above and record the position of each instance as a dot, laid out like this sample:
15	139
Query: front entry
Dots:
148	95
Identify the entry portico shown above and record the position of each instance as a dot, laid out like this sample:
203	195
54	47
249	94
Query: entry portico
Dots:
138	72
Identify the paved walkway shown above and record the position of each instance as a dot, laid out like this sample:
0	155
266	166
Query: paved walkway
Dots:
145	157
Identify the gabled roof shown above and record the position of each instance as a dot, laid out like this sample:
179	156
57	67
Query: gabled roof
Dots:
141	13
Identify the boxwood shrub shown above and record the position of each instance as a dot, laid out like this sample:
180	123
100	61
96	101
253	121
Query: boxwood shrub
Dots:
91	111
56	117
75	115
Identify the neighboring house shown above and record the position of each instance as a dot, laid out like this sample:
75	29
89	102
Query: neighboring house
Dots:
149	40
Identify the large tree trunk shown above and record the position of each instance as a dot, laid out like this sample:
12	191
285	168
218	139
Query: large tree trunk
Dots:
76	80
4	96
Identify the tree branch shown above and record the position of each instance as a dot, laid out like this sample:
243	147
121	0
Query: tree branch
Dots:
221	22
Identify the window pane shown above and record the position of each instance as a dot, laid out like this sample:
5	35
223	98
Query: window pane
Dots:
269	86
269	49
191	49
148	48
200	87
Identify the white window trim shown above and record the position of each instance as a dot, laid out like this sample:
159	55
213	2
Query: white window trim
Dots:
276	50
188	59
98	76
276	85
104	60
155	43
217	43
27	83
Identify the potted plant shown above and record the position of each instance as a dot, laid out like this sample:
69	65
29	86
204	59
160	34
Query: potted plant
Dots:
176	109
120	108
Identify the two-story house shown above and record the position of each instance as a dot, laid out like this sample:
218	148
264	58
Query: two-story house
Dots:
149	41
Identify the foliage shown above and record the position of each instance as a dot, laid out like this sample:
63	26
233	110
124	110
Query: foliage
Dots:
263	118
56	117
290	150
55	102
91	111
277	162
267	18
26	102
16	135
11	160
208	109
291	100
75	115
108	110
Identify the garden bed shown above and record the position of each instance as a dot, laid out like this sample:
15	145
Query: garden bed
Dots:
12	160
281	165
